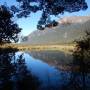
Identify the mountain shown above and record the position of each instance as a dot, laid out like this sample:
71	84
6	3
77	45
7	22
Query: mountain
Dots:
68	30
74	19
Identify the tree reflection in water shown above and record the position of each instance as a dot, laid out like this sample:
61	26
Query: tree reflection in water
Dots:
14	74
80	80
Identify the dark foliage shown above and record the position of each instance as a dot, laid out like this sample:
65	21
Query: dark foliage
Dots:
8	29
14	74
81	57
8	50
82	52
48	7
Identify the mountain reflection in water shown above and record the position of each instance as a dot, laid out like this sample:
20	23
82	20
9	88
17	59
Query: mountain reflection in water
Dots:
22	71
49	76
54	58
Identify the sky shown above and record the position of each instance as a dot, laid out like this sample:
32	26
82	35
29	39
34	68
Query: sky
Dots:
29	24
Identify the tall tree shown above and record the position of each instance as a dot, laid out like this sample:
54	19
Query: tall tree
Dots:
48	8
82	57
9	30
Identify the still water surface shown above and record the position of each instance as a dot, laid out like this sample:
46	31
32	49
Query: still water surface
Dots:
40	70
51	77
48	75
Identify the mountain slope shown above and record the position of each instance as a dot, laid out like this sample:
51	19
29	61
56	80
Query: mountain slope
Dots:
69	29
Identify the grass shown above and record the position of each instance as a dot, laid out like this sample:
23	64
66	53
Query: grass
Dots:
67	48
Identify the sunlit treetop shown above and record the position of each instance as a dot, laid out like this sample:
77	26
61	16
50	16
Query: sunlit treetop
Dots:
48	7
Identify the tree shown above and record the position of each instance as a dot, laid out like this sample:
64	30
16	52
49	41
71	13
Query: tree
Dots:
24	38
48	8
82	57
9	30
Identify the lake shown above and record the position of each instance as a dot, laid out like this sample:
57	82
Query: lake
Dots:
40	70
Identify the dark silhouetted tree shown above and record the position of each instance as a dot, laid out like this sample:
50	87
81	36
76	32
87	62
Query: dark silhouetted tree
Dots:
81	57
48	8
9	30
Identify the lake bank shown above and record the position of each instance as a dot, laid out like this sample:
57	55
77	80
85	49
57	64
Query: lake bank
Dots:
67	48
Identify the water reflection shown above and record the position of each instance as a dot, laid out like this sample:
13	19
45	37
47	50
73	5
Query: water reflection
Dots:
49	76
14	74
57	59
21	71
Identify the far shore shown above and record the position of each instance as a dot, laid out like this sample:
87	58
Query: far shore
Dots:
23	47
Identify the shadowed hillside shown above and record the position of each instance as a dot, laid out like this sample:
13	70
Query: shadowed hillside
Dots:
69	29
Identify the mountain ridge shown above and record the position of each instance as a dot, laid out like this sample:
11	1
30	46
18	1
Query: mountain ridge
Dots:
67	31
